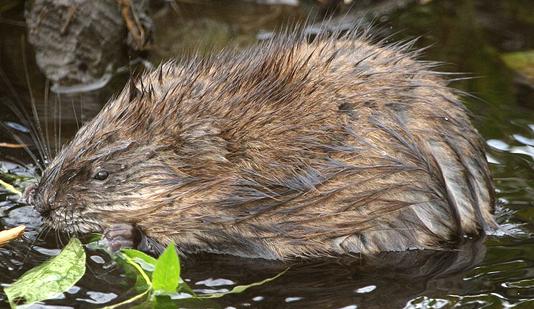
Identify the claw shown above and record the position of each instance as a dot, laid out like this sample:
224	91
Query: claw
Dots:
126	235
119	236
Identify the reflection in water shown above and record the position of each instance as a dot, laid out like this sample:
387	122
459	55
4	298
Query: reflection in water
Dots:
387	281
332	283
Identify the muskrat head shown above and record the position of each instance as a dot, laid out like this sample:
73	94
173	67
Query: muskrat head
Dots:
89	186
138	160
112	171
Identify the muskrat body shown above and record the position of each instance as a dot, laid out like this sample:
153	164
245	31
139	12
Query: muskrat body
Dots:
287	149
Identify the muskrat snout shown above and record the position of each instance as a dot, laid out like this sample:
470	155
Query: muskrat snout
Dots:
28	196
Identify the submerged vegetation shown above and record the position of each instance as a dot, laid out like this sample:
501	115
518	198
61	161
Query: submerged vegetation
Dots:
157	278
522	63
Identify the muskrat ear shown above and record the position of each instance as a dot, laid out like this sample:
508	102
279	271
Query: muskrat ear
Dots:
203	140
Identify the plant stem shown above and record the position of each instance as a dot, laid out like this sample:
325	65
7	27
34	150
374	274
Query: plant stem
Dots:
138	268
129	300
10	188
145	277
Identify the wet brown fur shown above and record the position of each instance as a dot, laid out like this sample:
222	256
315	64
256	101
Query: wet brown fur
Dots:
286	149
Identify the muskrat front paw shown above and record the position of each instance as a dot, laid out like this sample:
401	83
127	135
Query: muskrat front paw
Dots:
119	236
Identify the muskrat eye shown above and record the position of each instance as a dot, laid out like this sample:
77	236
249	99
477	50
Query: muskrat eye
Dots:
101	175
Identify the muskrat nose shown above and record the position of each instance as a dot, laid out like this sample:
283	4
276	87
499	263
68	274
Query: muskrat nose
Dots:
28	196
51	199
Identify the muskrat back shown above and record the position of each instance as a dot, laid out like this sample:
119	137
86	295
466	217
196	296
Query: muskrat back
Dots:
286	149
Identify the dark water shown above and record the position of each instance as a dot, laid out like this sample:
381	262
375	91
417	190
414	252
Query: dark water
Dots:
468	36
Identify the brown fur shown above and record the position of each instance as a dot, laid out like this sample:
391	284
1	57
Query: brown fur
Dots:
286	149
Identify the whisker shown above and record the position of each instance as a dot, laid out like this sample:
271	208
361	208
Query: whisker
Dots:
56	142
43	232
26	148
36	160
59	118
58	239
20	162
46	111
66	220
43	229
23	116
75	114
82	105
36	125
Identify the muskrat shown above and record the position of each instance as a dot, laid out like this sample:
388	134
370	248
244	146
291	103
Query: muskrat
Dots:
291	148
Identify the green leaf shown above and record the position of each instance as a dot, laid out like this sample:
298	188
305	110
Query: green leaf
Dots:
166	282
166	276
93	237
135	273
51	278
129	260
137	267
144	260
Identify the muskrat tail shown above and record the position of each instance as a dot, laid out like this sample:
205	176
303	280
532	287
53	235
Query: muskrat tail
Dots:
467	181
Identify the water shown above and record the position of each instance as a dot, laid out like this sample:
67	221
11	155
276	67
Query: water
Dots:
468	36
